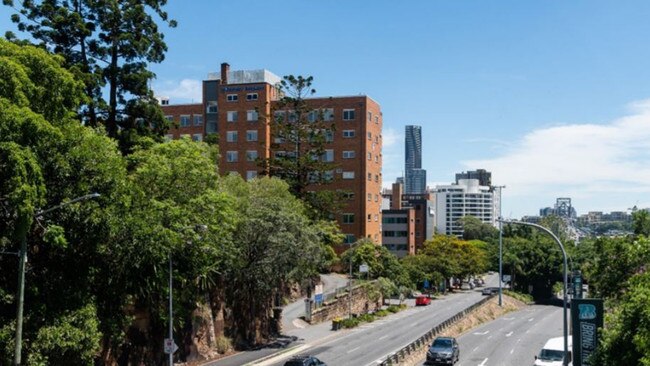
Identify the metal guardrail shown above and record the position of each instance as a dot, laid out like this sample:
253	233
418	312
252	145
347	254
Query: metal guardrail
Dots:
426	338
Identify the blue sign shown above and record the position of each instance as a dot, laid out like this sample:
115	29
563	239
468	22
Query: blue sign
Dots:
318	298
426	283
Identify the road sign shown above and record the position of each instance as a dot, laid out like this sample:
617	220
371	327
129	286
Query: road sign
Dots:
363	268
170	346
318	299
587	318
426	283
506	278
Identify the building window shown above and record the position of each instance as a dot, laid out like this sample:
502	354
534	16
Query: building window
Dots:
369	117
312	116
328	114
231	136
232	156
197	137
348	218
198	120
185	120
376	198
377	178
251	155
376	217
348	154
369	135
349	238
329	136
348	133
251	96
377	159
212	107
232	97
369	197
169	118
376	119
232	116
369	156
293	116
369	217
251	174
348	175
328	175
370	177
279	116
328	156
348	114
252	115
251	135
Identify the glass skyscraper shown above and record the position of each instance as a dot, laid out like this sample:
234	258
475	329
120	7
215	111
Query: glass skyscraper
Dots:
415	178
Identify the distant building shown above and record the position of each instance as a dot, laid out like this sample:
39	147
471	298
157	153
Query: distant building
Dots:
484	177
415	178
562	208
464	198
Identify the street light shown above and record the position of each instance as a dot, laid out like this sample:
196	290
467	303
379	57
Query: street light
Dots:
21	272
196	228
566	329
500	247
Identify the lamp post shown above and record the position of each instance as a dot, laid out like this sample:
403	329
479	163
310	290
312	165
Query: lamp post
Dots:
565	300
22	254
350	286
196	228
500	248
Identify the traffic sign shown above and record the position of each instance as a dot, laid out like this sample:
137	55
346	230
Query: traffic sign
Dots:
170	346
363	268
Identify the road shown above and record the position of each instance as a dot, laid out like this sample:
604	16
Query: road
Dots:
513	339
371	343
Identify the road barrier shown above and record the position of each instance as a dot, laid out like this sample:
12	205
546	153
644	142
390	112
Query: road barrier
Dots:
425	340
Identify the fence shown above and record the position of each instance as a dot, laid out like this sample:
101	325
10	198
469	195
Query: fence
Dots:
426	339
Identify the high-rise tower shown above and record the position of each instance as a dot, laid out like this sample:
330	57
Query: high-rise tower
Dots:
415	178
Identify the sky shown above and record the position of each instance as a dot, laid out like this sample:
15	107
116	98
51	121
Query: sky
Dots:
552	97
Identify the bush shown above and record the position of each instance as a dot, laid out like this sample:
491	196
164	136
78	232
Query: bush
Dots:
394	308
350	322
519	296
366	318
223	344
382	313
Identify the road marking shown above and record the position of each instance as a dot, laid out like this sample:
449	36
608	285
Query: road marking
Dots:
414	324
489	337
298	323
483	333
512	351
483	363
352	350
531	319
509	334
384	337
475	348
509	318
518	340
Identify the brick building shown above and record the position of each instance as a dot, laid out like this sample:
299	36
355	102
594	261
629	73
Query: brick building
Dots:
232	104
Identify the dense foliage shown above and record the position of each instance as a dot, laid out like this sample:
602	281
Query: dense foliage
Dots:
97	277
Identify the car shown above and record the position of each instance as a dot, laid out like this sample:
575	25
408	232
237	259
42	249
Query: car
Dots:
422	300
414	294
443	351
552	353
490	291
305	361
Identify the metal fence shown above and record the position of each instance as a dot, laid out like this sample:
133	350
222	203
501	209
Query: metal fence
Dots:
425	340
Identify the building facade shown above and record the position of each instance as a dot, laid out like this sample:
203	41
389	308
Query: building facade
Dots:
238	106
484	177
465	198
415	178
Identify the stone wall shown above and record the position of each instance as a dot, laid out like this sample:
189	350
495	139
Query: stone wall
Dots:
340	307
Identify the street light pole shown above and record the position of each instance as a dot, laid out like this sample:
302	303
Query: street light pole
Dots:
500	248
350	286
565	298
23	227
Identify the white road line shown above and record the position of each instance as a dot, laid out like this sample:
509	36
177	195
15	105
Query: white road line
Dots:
512	351
384	337
531	319
509	334
483	363
475	348
482	333
352	350
489	337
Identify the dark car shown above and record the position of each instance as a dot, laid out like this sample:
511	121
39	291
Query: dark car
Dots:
443	351
490	290
305	361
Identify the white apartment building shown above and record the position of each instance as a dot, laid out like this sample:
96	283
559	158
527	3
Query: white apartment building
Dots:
465	198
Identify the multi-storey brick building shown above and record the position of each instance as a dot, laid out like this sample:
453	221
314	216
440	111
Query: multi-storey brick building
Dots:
232	104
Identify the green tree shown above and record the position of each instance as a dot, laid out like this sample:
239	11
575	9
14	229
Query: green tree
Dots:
641	222
475	229
381	263
626	337
106	43
303	133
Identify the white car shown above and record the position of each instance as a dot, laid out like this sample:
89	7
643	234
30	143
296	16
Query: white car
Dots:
552	353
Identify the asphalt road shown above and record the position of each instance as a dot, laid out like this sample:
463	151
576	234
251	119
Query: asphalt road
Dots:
292	312
371	343
513	339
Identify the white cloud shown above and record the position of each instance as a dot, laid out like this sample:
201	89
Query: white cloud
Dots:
583	160
391	137
187	90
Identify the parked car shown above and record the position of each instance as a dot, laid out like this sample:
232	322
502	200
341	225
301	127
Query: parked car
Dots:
490	291
305	361
422	300
414	294
443	351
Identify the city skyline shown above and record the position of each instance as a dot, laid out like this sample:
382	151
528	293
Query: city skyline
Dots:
550	97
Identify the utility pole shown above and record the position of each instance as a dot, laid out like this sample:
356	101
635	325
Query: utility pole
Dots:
500	247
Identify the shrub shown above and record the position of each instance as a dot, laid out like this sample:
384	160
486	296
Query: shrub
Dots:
350	322
394	308
382	313
223	344
367	318
519	296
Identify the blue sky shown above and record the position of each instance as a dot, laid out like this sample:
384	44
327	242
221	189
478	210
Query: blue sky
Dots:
553	97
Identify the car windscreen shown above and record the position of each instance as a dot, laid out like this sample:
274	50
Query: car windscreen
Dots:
442	343
551	355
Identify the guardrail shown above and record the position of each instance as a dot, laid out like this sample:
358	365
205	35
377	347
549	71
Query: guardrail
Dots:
426	339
